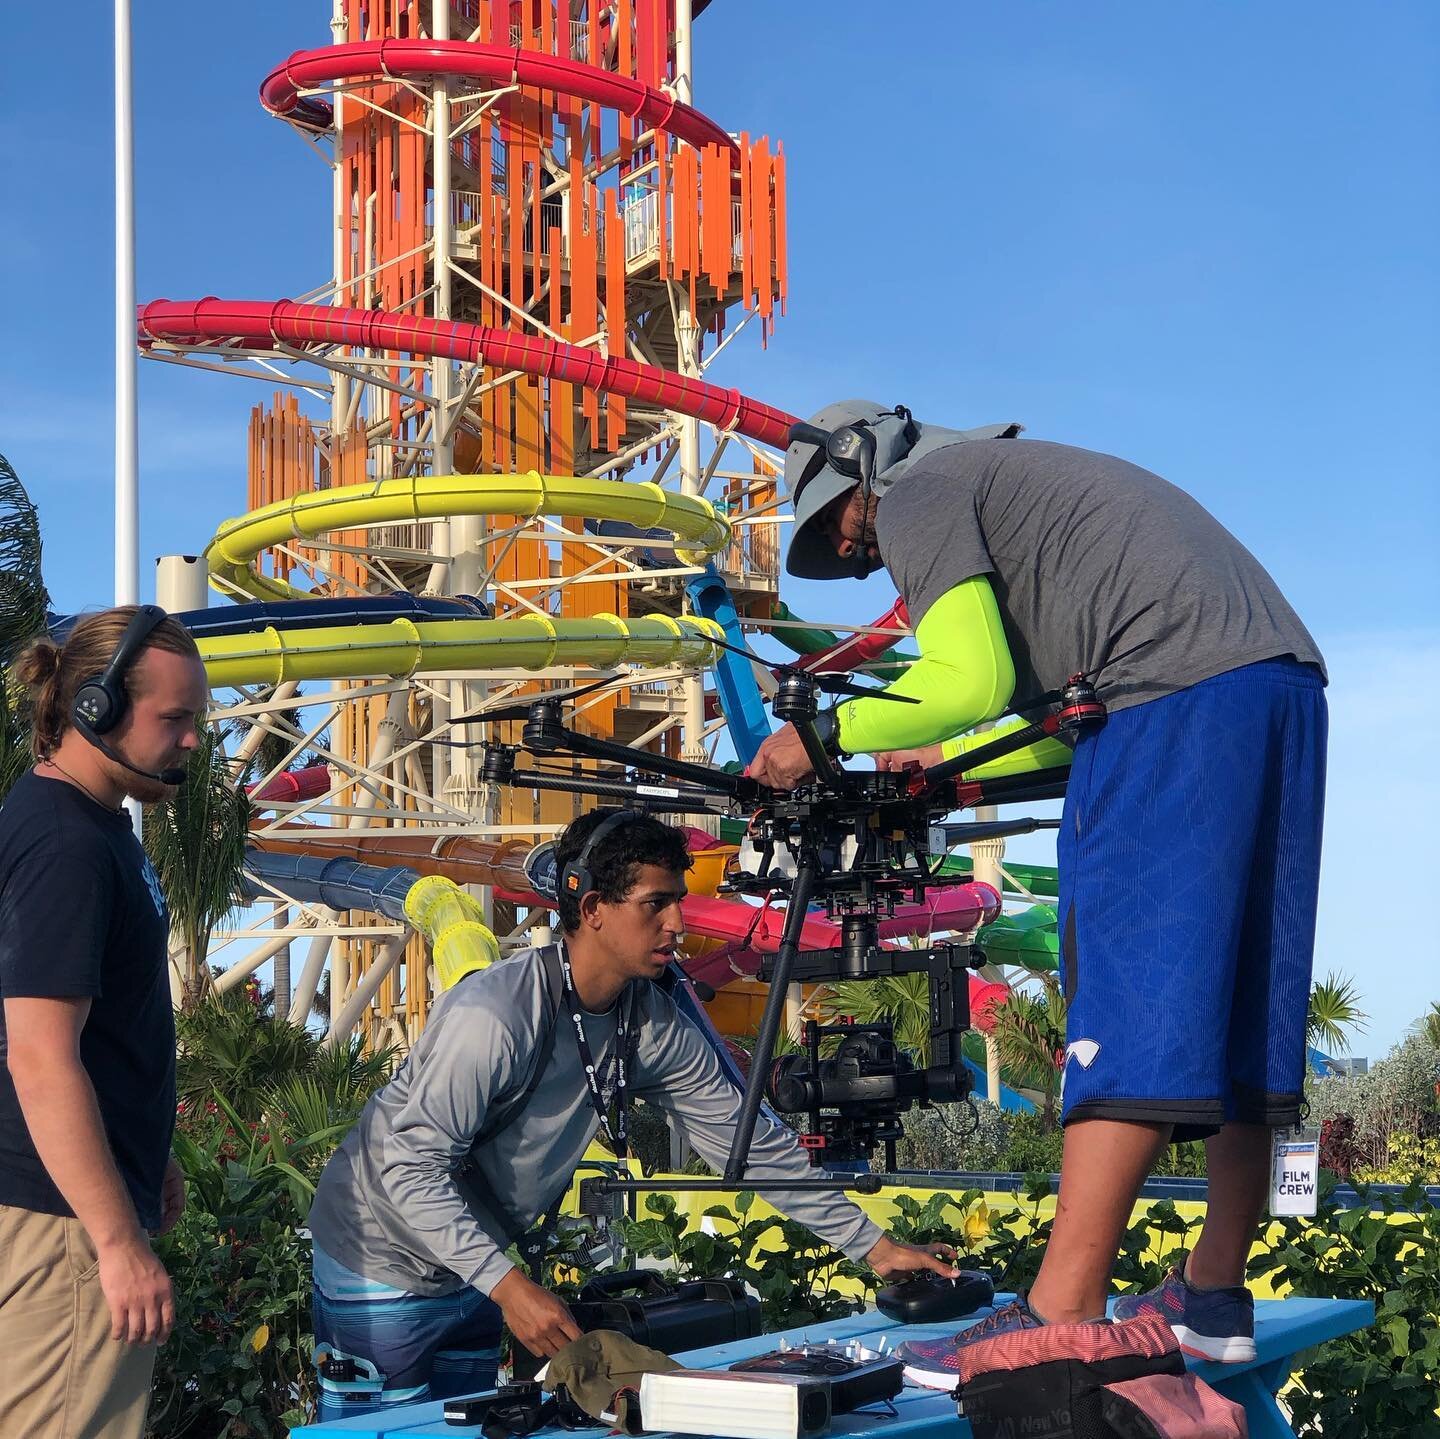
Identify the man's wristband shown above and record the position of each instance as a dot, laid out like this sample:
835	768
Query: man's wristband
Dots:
827	726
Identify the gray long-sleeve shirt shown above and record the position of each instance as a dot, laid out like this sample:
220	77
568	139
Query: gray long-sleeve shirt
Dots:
389	1206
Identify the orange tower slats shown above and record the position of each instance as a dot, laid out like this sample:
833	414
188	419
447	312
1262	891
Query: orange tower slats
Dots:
555	259
650	41
719	221
763	201
747	223
683	211
624	12
584	284
663	188
595	56
614	312
782	276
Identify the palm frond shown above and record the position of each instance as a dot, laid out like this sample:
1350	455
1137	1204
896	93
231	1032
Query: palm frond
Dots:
196	841
24	599
1335	1014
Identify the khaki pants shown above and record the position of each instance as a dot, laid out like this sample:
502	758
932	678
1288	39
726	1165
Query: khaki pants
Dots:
61	1374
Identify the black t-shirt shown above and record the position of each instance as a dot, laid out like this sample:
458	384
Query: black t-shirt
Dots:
81	913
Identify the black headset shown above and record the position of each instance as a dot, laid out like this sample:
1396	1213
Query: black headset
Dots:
101	702
576	879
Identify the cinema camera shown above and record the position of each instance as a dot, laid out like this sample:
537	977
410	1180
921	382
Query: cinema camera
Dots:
856	842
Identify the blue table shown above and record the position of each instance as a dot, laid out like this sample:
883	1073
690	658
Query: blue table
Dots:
1283	1327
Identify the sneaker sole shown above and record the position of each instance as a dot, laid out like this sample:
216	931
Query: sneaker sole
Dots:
1236	1349
931	1378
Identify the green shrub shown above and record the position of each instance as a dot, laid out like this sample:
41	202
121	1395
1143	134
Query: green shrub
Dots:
951	1137
795	1281
1393	1100
1031	1147
1410	1159
238	1362
1380	1380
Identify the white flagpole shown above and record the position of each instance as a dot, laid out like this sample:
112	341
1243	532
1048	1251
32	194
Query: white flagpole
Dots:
127	451
127	486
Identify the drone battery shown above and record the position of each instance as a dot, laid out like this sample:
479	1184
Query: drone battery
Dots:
737	1406
856	1379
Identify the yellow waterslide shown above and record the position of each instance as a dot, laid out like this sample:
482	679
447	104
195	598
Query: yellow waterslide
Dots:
448	917
697	526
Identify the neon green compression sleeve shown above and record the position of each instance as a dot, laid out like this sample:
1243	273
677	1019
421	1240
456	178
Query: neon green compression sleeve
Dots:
964	675
1043	754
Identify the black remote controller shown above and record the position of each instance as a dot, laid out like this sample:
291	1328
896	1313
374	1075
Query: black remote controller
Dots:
930	1298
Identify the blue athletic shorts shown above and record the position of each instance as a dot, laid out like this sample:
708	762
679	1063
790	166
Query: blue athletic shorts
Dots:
1189	857
408	1347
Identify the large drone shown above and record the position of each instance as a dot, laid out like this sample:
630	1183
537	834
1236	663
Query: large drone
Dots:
857	842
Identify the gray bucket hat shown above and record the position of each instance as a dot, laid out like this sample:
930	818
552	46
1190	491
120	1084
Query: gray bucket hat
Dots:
812	484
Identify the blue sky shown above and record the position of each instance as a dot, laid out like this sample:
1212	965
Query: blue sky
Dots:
1200	237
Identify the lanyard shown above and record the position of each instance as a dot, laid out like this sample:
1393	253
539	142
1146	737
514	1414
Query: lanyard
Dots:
618	1133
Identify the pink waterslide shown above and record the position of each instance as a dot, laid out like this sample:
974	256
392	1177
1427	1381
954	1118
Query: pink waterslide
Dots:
748	931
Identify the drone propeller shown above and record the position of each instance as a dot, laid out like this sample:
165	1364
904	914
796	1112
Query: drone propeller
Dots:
522	708
830	684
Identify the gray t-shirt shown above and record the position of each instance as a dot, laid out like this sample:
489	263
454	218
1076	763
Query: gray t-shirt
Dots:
1097	566
389	1206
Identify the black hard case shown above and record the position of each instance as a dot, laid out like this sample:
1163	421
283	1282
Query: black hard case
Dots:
668	1317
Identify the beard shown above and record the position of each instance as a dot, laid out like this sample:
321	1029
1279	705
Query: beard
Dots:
148	791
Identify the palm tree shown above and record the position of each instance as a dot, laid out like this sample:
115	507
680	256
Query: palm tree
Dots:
1428	1025
196	841
24	605
1335	1014
1030	1033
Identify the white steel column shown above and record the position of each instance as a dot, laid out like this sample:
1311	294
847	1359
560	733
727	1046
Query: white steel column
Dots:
127	449
340	243
688	338
684	55
127	443
443	533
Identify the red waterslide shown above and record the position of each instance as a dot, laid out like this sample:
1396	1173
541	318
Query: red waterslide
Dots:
858	649
262	324
465	59
293	786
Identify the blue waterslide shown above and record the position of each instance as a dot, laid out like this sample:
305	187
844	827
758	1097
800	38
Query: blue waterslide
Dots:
739	692
350	884
301	614
338	883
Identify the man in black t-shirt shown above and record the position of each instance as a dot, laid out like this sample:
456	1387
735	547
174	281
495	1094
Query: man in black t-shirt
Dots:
87	1088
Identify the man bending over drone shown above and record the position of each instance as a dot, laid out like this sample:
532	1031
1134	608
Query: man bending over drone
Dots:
518	1069
1189	850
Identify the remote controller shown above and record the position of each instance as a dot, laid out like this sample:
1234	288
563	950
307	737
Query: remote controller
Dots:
929	1298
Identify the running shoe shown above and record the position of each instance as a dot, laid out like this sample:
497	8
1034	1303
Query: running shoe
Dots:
935	1363
1216	1324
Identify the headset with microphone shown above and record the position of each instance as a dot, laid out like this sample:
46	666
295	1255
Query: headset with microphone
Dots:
850	451
576	879
101	702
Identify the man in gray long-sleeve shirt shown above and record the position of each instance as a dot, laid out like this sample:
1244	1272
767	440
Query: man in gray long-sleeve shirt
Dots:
483	1126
